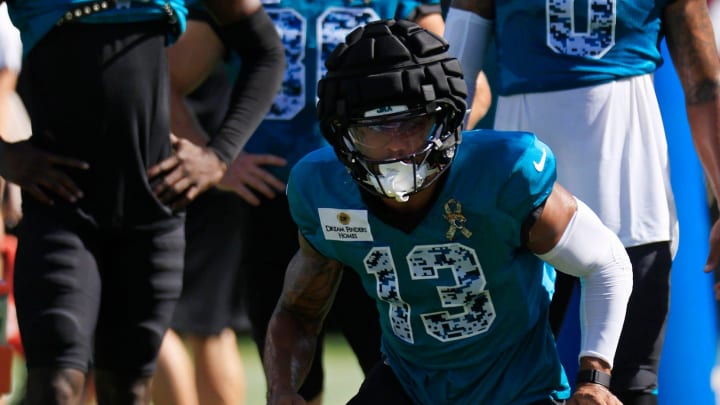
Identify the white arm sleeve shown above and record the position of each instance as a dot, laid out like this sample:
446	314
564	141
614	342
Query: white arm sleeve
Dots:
591	251
468	35
10	45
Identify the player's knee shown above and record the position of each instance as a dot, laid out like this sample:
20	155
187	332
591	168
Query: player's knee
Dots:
47	385
122	388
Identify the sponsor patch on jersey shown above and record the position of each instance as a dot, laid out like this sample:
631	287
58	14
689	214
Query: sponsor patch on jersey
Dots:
345	225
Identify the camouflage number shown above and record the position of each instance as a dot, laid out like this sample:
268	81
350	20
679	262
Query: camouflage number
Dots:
465	309
332	27
565	36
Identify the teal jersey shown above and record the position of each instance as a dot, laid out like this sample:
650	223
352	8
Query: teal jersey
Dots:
463	310
35	18
548	45
310	31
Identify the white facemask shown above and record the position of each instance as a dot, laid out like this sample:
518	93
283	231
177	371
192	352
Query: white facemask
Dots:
396	179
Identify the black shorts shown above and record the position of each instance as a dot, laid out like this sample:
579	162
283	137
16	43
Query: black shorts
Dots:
637	359
212	284
107	270
270	242
76	285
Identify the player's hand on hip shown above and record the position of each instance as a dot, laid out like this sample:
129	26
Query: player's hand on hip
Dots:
593	394
247	177
42	174
189	171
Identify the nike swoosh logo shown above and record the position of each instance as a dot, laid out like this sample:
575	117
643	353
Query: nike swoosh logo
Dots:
540	165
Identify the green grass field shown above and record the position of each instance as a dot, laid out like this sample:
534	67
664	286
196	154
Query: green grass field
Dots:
343	375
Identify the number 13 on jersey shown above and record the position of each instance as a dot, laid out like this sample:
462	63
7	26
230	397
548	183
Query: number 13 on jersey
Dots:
464	309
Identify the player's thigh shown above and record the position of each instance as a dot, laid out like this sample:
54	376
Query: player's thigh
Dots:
213	253
57	290
142	281
269	242
637	359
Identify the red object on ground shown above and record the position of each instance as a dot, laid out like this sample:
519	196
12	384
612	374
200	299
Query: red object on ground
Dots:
8	248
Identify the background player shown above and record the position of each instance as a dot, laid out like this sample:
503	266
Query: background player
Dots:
310	31
589	94
203	68
101	243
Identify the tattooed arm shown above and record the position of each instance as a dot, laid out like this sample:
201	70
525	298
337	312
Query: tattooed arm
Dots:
691	43
311	282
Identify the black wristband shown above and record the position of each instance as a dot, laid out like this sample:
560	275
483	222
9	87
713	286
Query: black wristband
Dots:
593	376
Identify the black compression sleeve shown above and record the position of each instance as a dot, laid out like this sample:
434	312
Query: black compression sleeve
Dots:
262	56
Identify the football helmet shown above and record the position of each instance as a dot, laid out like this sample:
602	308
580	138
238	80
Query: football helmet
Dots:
392	106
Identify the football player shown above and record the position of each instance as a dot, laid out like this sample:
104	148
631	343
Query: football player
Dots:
450	240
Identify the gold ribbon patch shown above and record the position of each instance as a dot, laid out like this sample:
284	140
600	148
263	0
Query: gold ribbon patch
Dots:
454	215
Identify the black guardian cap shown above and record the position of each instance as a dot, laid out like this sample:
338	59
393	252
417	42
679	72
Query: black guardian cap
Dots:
392	71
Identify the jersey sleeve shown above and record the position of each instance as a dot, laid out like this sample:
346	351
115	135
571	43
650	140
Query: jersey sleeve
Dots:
531	177
301	190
